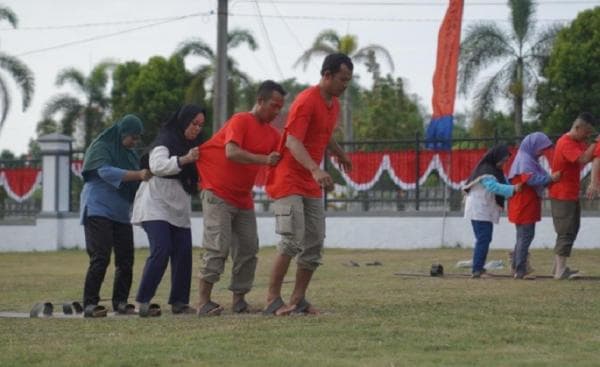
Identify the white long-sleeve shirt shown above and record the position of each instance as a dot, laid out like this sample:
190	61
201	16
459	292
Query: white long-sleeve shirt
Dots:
480	202
162	198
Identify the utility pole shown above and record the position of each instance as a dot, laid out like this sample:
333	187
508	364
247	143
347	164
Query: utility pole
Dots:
220	90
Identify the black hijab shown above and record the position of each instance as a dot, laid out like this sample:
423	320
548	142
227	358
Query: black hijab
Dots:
488	166
171	135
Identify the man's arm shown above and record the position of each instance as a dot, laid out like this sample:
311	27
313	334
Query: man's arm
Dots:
594	188
336	150
235	153
588	155
301	155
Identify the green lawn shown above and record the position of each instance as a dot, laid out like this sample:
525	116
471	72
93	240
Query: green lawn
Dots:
371	317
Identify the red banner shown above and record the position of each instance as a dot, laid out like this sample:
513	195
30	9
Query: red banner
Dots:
444	77
453	167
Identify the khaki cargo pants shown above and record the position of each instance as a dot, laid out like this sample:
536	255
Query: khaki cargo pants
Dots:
228	229
566	217
301	223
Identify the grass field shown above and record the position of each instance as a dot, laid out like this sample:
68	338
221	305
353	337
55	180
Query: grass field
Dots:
371	317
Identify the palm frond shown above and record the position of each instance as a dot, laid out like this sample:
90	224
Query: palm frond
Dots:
97	81
73	76
22	75
237	37
70	107
530	79
5	101
522	17
205	71
484	44
328	36
46	126
315	50
195	47
488	91
8	15
540	51
61	103
362	54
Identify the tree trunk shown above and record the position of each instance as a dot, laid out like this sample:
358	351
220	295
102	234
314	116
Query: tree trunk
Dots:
518	99
518	116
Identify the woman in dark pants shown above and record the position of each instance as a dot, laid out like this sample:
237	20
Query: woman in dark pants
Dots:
111	174
163	207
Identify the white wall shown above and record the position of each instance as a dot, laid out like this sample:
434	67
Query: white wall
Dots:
389	232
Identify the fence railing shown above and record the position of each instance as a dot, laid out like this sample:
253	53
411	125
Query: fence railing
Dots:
16	209
428	192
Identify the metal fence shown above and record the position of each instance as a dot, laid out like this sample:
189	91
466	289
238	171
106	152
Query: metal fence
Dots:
384	196
13	209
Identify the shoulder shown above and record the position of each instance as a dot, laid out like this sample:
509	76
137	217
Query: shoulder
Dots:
240	119
309	95
159	150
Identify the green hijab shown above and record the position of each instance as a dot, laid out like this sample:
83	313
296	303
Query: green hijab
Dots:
108	149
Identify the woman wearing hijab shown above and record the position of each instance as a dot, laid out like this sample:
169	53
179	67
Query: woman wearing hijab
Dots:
111	175
485	191
525	207
163	207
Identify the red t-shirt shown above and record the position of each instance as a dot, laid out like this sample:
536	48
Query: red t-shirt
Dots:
229	180
566	153
524	207
311	121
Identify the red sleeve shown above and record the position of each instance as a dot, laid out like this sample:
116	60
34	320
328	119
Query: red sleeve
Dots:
299	119
573	151
597	150
235	130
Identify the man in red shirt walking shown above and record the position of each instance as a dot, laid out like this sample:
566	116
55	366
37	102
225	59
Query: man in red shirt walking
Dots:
228	165
571	153
296	183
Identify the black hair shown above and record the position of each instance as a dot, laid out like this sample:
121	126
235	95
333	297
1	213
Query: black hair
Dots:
588	118
266	89
333	63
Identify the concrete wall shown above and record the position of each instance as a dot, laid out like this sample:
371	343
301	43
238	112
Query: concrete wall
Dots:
371	230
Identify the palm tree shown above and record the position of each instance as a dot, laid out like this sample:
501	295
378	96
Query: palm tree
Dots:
19	72
205	73
328	42
88	115
520	53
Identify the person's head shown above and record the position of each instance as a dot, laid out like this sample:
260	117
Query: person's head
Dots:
190	120
497	155
336	74
535	144
269	101
583	126
130	129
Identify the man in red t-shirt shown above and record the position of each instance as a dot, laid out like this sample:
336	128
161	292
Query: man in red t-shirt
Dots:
296	183
228	165
570	155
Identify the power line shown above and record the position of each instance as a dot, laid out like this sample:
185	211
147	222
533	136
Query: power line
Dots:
381	19
95	38
288	26
269	44
102	24
420	3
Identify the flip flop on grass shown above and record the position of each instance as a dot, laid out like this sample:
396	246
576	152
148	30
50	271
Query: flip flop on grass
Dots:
273	307
150	310
210	309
